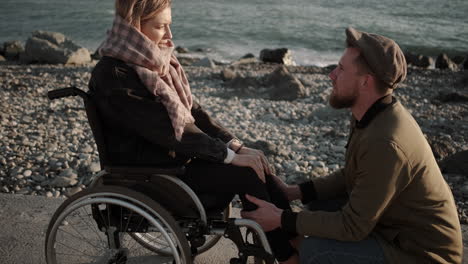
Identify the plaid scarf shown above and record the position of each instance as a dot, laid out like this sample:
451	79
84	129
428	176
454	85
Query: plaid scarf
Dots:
158	69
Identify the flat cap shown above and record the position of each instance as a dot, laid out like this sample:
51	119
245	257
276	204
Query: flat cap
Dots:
383	55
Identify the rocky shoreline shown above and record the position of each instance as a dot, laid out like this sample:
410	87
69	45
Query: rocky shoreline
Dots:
47	147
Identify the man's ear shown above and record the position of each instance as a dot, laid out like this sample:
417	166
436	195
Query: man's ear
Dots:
370	82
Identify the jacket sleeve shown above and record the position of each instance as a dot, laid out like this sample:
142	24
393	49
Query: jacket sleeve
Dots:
149	118
209	125
331	186
383	172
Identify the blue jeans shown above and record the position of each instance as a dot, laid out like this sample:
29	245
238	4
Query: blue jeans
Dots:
315	250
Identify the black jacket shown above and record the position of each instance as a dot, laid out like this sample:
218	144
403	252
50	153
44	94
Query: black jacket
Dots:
137	128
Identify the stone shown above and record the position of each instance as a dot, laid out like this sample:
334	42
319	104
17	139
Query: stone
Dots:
228	74
285	86
2	58
282	56
49	194
5	189
458	59
418	60
23	191
95	167
39	178
244	83
86	149
182	50
27	173
267	147
456	163
441	147
248	56
187	61
96	55
13	49
244	61
205	62
319	172
73	191
53	48
444	62
63	182
69	173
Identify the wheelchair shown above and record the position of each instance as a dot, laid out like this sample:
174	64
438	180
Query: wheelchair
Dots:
142	215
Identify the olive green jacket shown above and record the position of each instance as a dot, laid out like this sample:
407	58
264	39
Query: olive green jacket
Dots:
396	193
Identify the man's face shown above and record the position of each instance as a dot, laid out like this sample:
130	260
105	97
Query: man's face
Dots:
345	79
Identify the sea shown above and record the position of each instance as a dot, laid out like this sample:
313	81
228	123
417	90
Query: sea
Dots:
228	29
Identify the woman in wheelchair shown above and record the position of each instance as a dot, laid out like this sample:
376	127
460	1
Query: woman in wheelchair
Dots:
151	119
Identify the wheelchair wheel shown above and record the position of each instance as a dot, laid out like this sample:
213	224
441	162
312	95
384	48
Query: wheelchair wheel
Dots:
94	226
152	242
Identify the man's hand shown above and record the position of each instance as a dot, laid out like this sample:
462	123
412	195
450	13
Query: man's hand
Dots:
267	215
293	192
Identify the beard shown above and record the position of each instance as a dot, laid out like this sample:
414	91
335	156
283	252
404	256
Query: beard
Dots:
343	101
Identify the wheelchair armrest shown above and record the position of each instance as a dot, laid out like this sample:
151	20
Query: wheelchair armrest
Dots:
145	170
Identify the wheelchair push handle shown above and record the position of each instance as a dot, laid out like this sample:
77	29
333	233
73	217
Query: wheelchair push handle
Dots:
66	92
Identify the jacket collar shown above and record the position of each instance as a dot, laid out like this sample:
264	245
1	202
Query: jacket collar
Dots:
375	109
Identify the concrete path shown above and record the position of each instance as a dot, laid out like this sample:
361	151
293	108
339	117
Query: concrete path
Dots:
24	220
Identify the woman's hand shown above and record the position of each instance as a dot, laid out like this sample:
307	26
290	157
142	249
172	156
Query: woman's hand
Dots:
264	161
252	161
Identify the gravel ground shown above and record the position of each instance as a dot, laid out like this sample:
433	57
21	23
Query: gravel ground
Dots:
46	148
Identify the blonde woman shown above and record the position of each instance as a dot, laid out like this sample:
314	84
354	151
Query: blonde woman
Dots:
151	119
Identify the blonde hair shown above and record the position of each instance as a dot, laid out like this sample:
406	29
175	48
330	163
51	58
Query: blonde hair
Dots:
137	11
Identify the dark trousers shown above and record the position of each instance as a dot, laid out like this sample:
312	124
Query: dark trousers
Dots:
224	181
315	250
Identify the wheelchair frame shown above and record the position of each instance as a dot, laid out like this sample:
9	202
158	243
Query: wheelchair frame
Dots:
185	236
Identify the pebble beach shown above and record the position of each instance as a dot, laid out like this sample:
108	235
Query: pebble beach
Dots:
47	148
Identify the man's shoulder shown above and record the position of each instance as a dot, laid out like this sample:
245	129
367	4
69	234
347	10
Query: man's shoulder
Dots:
397	127
394	122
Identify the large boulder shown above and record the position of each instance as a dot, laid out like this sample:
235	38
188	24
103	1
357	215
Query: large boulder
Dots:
444	62
54	48
181	50
12	49
248	56
456	163
418	60
244	84
285	86
282	56
205	62
458	59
